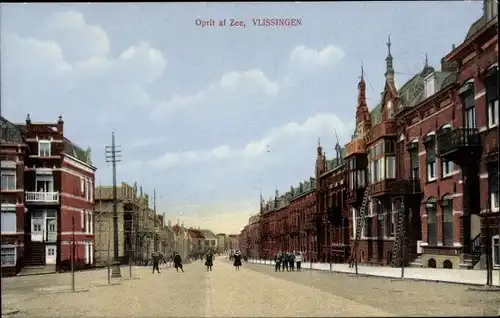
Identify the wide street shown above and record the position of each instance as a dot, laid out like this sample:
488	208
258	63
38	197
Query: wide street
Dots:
255	291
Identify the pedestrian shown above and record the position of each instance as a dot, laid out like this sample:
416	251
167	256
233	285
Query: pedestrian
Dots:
156	262
178	262
284	262
209	262
237	260
298	260
292	261
277	264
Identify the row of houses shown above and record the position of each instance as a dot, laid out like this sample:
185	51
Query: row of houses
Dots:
418	183
52	212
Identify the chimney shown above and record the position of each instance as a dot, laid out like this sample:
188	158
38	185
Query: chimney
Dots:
60	125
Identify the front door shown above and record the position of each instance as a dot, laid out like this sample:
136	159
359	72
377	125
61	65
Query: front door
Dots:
37	230
51	230
50	254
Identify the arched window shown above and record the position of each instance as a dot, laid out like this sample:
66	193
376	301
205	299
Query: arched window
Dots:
447	207
431	221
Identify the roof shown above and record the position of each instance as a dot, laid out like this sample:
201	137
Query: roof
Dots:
11	132
208	234
77	152
478	24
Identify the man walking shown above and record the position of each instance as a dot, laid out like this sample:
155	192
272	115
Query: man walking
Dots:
156	262
277	262
178	262
292	261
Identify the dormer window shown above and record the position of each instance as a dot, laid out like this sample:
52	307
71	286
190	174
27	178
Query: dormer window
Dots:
429	87
44	148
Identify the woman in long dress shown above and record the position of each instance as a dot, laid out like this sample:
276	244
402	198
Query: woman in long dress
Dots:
237	260
209	261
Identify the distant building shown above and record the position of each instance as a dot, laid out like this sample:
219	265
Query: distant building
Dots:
222	243
210	240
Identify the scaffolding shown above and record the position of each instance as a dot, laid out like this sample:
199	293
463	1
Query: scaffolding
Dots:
138	225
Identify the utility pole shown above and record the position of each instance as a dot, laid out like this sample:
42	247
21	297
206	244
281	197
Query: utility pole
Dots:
155	222
113	153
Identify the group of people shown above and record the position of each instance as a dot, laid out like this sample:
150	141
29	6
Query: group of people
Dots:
158	258
285	260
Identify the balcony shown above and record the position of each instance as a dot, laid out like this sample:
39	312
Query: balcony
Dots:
406	187
461	145
355	197
42	197
382	187
357	146
388	128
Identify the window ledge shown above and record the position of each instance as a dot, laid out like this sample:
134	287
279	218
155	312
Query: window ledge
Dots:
492	126
431	180
447	176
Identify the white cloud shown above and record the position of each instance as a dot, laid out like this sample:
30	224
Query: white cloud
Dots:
247	82
73	60
305	58
78	39
314	126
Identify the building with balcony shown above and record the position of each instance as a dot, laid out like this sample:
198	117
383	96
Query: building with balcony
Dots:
472	144
57	201
331	205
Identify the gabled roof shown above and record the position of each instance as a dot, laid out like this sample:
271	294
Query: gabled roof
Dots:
10	132
77	152
208	234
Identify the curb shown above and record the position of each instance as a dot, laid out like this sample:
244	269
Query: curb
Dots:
394	278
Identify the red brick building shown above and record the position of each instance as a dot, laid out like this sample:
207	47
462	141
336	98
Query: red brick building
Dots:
472	144
58	190
331	205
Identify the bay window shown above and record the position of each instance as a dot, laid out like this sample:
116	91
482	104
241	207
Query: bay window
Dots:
431	221
391	167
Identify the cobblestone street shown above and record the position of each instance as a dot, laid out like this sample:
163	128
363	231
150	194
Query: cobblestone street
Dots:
255	291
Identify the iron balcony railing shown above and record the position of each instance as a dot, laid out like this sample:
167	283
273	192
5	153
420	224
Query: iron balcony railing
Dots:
42	197
454	139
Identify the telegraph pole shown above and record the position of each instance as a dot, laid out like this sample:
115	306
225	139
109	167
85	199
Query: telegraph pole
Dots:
155	222
113	153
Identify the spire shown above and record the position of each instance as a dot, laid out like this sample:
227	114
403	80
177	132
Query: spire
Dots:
427	69
362	113
320	149
389	73
426	61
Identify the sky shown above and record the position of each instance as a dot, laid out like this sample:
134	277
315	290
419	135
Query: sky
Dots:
211	117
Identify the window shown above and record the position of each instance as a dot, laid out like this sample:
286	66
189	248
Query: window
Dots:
495	242
431	222
446	168
82	186
470	109
390	109
8	255
430	148
360	178
82	219
493	187
9	179
9	221
492	99
44	183
44	148
447	206
415	169
391	167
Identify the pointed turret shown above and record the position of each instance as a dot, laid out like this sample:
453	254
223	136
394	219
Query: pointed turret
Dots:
320	161
362	114
389	72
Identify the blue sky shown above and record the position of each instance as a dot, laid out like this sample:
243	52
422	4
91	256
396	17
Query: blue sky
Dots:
210	117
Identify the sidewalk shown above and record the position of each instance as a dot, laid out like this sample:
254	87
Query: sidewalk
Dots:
459	276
